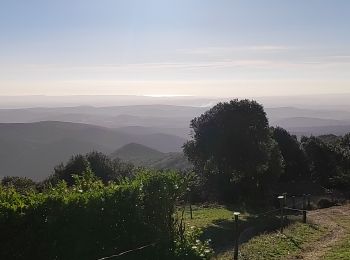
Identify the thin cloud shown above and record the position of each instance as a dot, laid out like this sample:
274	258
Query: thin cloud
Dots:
233	49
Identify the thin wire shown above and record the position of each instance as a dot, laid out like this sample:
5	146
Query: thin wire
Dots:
127	252
300	210
267	212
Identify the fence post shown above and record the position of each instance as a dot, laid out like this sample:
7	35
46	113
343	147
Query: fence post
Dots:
304	201
293	202
284	199
191	211
190	202
281	199
309	201
235	256
304	216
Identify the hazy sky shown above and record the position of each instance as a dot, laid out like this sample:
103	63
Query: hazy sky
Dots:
178	47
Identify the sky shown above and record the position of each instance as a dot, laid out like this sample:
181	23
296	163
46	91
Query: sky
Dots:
174	48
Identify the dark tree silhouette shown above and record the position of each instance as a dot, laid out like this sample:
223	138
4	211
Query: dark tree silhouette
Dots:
323	160
232	146
21	184
296	167
100	164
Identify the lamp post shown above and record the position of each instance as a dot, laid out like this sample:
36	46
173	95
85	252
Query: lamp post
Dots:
281	199
235	256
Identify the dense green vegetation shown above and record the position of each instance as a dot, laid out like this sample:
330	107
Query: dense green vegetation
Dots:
233	148
239	158
90	220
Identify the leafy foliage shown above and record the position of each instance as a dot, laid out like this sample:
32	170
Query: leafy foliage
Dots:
90	220
329	163
296	167
20	184
232	146
101	165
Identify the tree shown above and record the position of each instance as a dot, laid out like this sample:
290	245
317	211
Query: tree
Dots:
296	166
20	184
323	159
77	165
232	146
98	163
342	149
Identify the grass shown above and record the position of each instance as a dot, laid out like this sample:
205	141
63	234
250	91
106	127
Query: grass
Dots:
216	222
218	225
264	243
275	245
341	251
208	215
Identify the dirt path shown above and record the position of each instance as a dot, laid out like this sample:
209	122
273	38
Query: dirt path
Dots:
325	218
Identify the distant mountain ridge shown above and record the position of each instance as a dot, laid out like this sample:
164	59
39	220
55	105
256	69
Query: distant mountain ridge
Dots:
33	149
172	120
34	140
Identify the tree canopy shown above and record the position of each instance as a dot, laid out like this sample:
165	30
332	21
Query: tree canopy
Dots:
232	144
296	166
100	164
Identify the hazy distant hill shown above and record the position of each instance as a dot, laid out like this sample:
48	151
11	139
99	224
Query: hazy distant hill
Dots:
309	122
141	155
173	120
323	130
165	119
31	143
33	149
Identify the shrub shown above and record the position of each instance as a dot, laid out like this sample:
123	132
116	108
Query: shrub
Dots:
90	220
324	203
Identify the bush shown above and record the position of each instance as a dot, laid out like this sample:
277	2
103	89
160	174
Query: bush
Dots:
324	203
90	220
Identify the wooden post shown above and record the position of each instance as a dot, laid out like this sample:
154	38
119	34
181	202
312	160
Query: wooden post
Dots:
281	199
304	208
293	202
235	256
284	199
309	201
190	202
191	210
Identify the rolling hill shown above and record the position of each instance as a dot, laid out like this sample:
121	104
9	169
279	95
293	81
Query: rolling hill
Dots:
33	149
141	155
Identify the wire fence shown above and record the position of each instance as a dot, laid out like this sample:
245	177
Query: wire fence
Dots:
128	252
281	212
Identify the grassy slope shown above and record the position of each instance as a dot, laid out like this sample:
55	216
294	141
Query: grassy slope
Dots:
278	246
341	251
217	224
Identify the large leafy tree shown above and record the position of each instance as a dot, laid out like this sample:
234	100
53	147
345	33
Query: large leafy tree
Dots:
342	150
329	161
21	184
100	164
323	159
232	146
296	167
